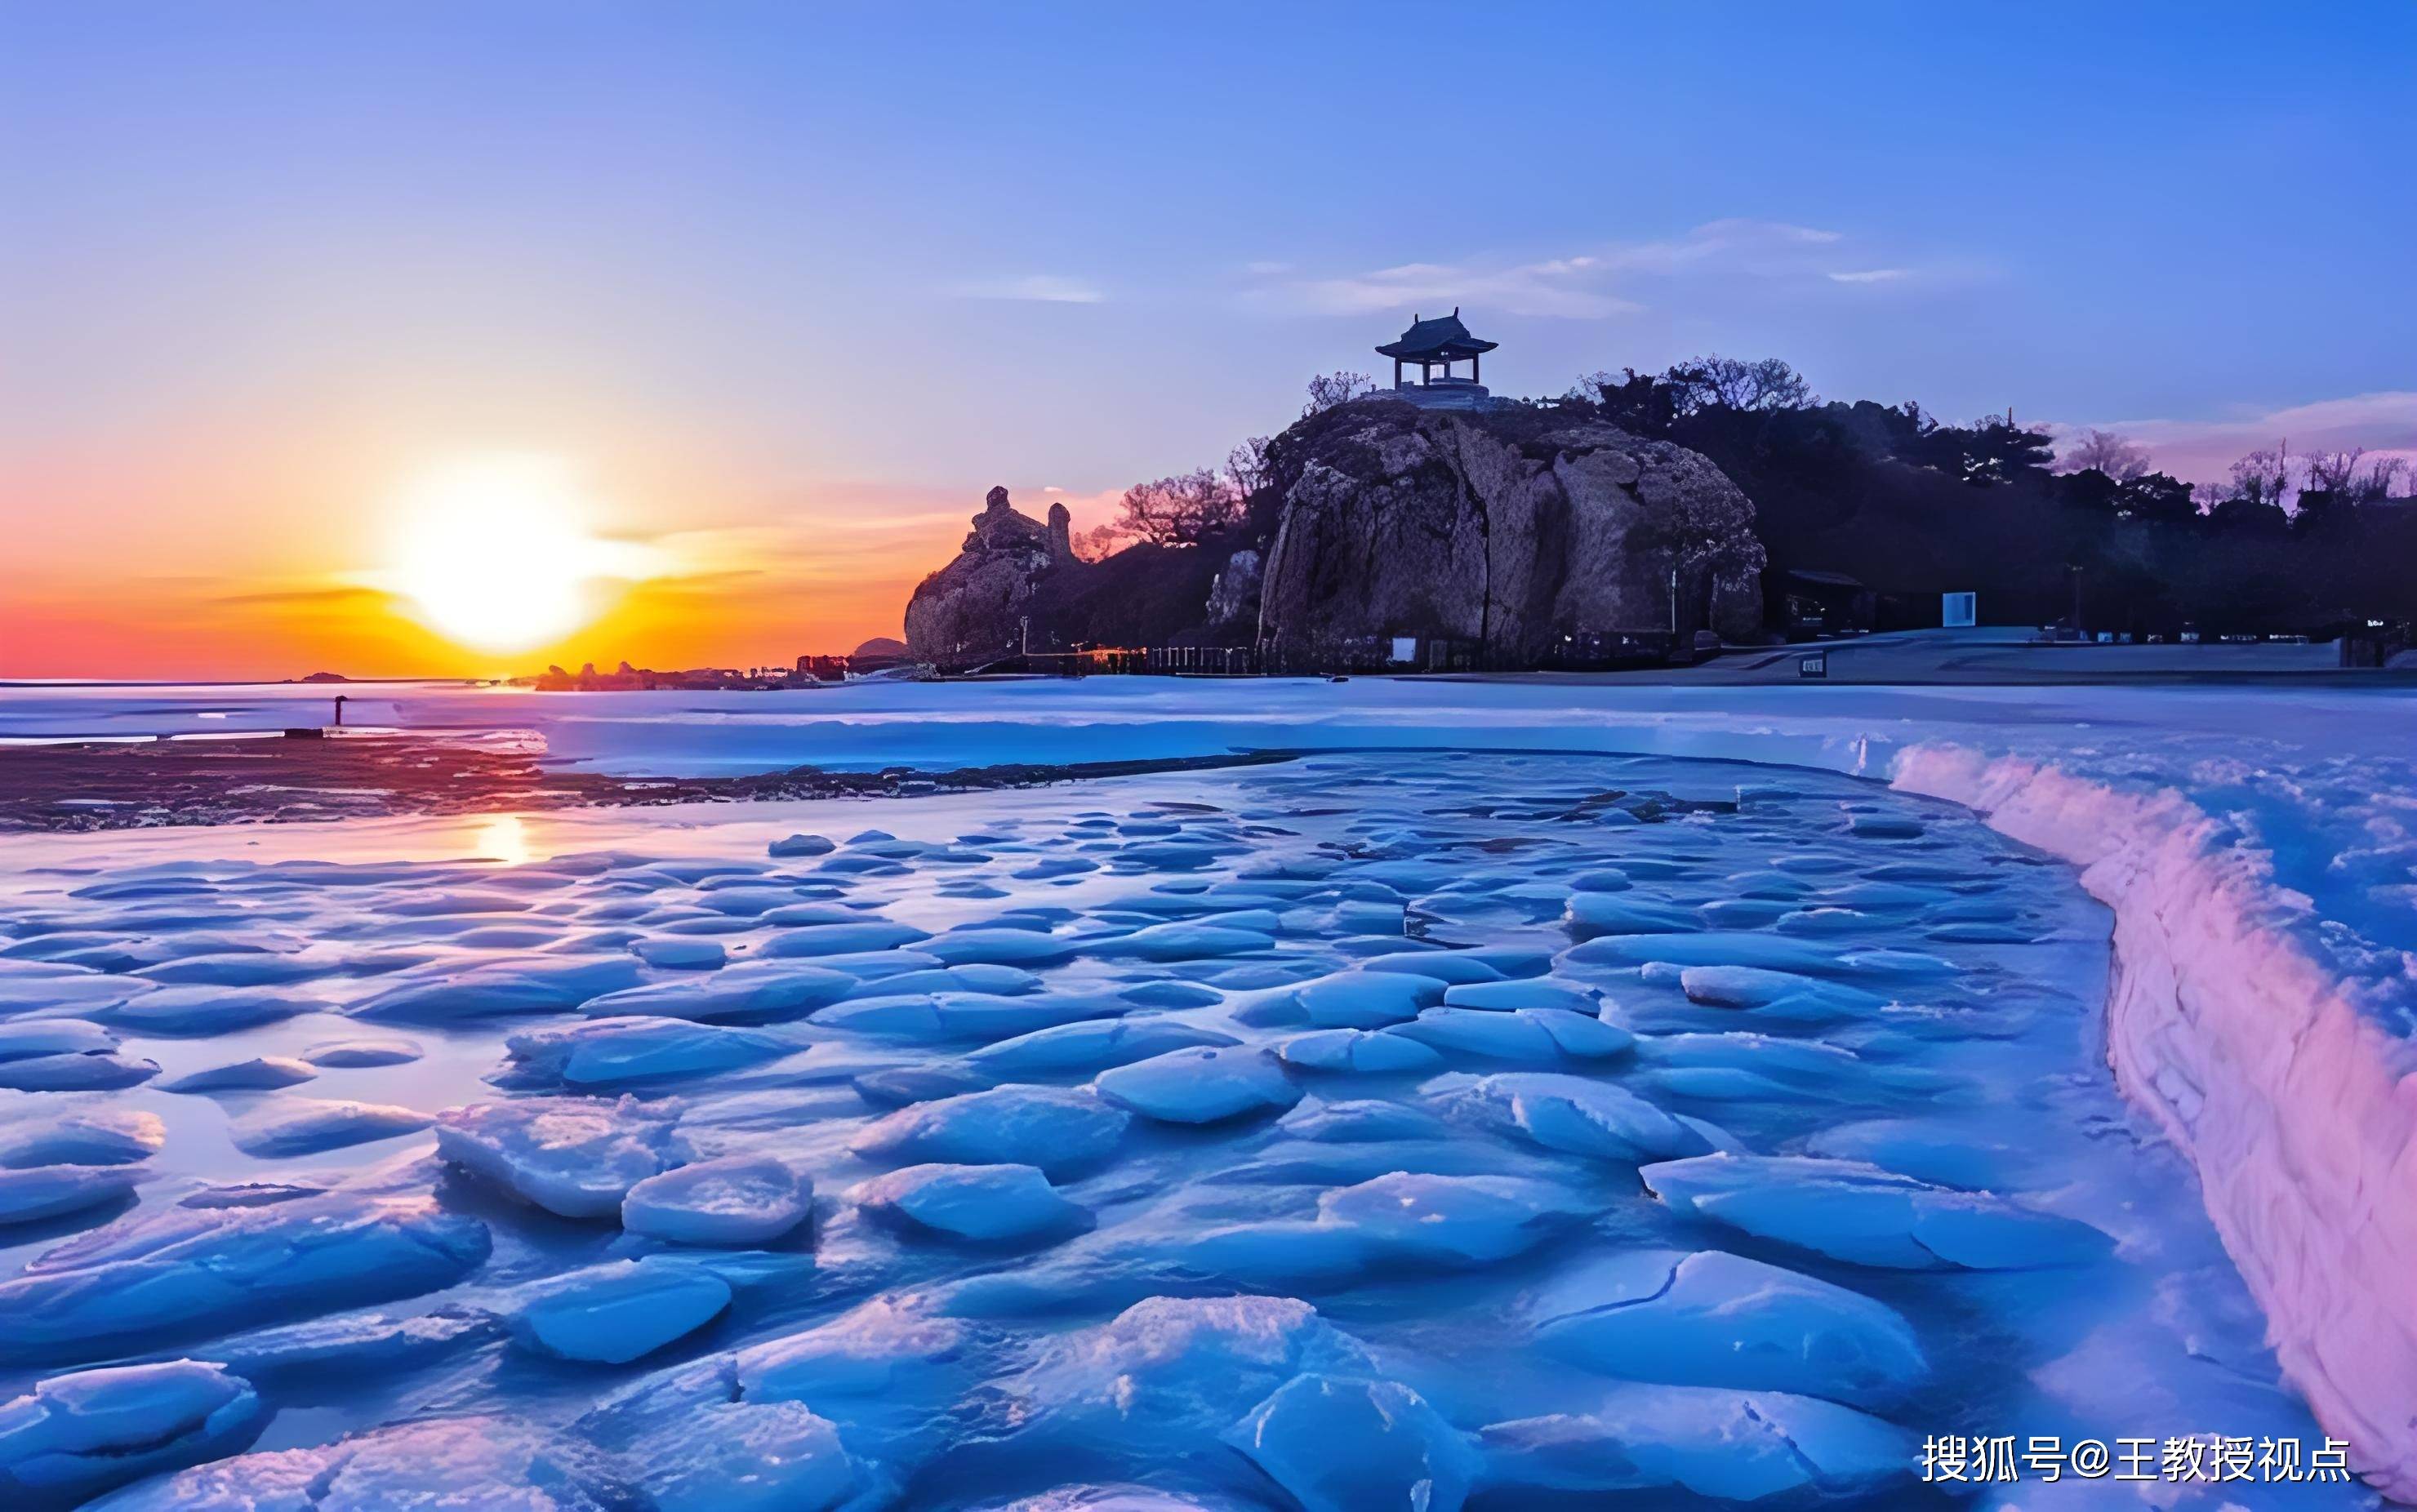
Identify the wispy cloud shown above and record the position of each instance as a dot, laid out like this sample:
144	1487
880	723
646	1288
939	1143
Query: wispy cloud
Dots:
1043	288
1593	283
1562	287
305	598
2203	451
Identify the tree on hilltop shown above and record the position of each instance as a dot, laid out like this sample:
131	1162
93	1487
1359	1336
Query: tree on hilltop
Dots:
1328	390
1180	511
1751	388
2103	451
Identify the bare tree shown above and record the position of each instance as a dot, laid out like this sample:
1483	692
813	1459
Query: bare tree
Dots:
1246	466
2375	485
2332	472
1328	390
2262	478
1733	383
1101	542
2105	451
1180	511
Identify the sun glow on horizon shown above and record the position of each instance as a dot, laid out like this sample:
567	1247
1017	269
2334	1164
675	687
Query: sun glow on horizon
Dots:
499	553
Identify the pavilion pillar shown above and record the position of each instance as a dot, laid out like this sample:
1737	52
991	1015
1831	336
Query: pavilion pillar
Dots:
1476	370
1397	372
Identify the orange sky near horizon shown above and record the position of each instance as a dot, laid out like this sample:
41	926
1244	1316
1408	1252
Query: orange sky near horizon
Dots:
139	571
172	628
148	600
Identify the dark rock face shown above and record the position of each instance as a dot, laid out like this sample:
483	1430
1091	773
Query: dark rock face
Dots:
1235	591
1503	530
971	606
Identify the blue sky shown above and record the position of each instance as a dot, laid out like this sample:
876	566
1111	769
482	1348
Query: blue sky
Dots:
906	251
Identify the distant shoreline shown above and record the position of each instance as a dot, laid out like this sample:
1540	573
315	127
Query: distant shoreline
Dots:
80	787
242	681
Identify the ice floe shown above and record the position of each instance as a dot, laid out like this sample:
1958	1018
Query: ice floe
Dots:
612	1314
577	1156
1854	1211
77	1435
1573	1114
1090	1046
1339	1444
734	1200
1364	999
747	994
290	1125
852	938
498	989
100	1138
49	1191
1057	1129
1713	1318
1182	940
1200	1085
618	1051
1727	1445
357	1054
502	1461
933	1017
995	1203
163	1274
1534	1036
1364	1051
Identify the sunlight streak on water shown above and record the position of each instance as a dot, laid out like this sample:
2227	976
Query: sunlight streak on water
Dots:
501	838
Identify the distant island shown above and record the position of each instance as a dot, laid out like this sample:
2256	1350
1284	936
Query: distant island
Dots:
880	654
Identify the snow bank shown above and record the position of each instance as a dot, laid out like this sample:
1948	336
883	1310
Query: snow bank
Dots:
2267	1064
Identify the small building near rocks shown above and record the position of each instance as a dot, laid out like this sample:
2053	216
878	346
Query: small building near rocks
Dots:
1437	343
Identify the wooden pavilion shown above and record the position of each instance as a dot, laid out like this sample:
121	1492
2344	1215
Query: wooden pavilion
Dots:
1437	343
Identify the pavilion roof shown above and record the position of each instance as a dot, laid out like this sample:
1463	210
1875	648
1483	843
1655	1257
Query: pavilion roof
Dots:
1435	340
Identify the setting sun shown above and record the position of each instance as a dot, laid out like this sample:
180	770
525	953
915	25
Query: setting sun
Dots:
499	553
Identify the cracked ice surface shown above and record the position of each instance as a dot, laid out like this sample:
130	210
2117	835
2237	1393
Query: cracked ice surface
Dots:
1320	1144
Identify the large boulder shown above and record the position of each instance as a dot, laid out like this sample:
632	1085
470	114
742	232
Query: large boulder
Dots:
968	610
1502	529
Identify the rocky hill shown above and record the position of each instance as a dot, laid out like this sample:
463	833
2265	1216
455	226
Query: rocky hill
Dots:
1502	529
1012	569
971	608
1497	532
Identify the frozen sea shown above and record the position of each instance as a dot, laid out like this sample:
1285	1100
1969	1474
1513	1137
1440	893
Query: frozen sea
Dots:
1533	1095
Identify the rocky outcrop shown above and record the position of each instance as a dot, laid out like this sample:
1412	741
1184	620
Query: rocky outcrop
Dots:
1503	531
971	608
1235	591
1517	535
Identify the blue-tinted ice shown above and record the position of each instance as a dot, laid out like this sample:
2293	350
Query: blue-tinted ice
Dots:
1367	1131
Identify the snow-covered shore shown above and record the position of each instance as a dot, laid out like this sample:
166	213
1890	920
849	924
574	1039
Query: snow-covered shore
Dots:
2273	1067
